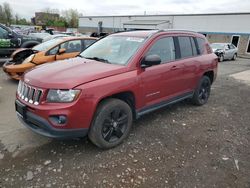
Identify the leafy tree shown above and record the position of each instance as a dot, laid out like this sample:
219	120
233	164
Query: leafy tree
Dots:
72	17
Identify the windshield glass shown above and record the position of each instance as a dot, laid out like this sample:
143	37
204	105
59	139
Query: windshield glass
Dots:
47	45
217	46
113	49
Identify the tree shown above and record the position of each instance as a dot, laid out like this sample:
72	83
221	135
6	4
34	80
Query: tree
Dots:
8	13
72	17
16	19
2	16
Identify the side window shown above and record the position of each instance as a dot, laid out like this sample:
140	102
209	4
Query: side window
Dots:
3	33
163	47
72	46
194	49
87	43
53	51
231	46
185	47
200	45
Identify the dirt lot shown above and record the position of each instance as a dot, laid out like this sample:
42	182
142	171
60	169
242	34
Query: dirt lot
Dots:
178	146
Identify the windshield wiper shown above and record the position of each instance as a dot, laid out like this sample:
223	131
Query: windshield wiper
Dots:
98	59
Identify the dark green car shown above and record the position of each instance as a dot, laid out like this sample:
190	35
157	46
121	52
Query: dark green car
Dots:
10	41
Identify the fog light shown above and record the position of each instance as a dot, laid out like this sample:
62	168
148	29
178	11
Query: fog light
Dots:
58	119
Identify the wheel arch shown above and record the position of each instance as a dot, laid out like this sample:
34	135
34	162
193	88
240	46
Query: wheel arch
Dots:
126	96
210	75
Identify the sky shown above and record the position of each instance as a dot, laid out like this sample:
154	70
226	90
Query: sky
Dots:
27	8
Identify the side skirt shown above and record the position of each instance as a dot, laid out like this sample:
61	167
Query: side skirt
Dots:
162	104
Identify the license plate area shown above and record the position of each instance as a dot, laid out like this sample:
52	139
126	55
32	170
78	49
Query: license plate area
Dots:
21	109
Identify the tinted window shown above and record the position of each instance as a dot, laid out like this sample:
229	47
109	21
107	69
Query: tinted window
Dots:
87	43
53	51
164	48
3	33
185	47
72	46
194	49
201	44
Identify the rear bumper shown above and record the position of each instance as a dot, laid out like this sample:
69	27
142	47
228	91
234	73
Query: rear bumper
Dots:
41	126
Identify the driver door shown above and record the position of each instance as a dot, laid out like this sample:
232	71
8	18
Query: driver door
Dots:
72	49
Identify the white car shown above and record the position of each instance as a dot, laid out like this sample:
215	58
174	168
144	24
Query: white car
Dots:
225	51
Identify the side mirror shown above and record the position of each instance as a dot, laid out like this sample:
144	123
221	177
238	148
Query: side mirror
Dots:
10	35
150	60
61	51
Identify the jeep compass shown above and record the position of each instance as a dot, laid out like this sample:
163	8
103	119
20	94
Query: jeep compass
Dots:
115	81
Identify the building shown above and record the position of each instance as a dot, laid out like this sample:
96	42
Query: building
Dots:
219	27
42	18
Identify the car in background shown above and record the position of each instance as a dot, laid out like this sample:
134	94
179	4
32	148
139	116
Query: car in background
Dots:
41	35
10	41
52	50
225	51
118	79
54	37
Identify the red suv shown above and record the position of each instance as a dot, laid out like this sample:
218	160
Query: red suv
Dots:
114	81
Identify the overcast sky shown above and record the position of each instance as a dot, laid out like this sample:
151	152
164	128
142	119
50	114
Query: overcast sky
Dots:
27	8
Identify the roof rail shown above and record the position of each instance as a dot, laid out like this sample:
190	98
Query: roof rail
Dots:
165	30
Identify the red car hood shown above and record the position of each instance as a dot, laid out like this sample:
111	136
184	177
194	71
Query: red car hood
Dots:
70	73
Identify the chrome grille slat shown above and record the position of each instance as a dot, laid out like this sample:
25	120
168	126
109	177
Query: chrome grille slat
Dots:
29	93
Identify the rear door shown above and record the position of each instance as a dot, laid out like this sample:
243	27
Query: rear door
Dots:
73	48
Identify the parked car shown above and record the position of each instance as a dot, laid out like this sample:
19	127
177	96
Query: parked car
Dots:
119	78
52	50
54	37
10	41
42	35
225	51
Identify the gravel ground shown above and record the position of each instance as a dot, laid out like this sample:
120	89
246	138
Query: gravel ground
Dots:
178	146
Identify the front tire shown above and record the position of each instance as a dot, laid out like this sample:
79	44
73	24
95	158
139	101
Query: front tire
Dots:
111	124
221	58
202	92
234	57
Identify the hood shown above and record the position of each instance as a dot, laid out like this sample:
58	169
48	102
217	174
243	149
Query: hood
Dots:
70	73
216	49
19	55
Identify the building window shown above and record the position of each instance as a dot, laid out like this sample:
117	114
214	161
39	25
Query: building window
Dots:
248	46
235	40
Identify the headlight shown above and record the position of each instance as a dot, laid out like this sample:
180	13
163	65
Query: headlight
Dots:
62	95
29	59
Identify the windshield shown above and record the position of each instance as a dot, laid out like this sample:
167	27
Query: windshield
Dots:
113	49
47	45
217	46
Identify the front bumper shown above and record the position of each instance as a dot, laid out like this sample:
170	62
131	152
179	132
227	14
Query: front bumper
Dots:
41	126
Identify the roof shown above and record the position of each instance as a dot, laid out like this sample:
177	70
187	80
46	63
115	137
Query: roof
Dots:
146	22
73	38
150	15
147	33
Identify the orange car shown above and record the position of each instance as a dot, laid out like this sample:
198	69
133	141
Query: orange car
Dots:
49	51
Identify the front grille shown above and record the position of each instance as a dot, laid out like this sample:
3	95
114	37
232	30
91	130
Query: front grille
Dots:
28	93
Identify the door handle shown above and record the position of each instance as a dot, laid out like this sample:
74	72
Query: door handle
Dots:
174	67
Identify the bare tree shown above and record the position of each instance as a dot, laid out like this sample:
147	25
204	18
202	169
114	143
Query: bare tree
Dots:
16	19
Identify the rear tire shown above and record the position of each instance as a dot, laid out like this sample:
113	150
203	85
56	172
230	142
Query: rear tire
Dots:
111	124
202	92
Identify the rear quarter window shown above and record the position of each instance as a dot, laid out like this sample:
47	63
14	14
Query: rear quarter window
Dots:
200	45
